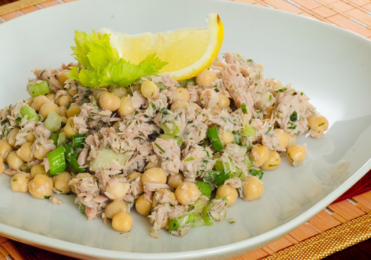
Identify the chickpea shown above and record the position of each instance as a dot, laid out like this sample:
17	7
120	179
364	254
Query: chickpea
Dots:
63	111
253	188
296	154
318	123
206	78
143	206
62	77
291	139
276	84
19	182
5	148
64	119
118	189
133	176
122	222
51	96
226	137
224	101
229	192
37	169
175	180
47	108
163	192
2	167
282	137
197	107
187	193
72	92
69	128
98	93
119	91
25	152
63	101
40	152
180	104
266	100
181	94
115	207
151	165
11	136
109	101
156	175
61	182
41	186
30	101
73	110
39	101
14	161
273	162
126	107
30	137
149	89
259	154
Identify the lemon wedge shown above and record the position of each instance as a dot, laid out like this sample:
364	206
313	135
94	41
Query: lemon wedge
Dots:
187	51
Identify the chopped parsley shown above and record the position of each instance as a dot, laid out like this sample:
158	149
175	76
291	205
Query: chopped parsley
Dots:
294	117
243	108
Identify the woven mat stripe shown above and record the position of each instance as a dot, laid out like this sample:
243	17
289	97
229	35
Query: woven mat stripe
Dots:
16	6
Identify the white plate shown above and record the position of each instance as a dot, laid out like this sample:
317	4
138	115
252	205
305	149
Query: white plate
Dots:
331	65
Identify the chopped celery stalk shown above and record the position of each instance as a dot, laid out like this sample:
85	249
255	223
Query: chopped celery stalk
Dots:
213	135
53	122
204	187
200	206
61	139
248	160
208	218
256	172
210	177
239	173
248	130
37	89
170	130
57	161
55	139
182	221
78	141
199	221
30	113
220	166
221	177
178	140
104	160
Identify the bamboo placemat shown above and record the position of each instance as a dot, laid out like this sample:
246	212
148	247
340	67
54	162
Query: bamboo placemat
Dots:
335	228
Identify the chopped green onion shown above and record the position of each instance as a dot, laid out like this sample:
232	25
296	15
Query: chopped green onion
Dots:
208	218
243	108
237	137
210	177
173	130
71	157
221	178
57	161
78	141
189	159
199	221
182	221
30	113
75	165
204	187
61	139
178	140
37	89
248	160
53	122
256	172
248	130
213	135
55	139
200	206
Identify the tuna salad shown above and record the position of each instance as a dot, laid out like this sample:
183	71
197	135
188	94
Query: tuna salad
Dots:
178	152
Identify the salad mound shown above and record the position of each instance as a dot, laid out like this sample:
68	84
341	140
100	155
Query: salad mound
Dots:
121	136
